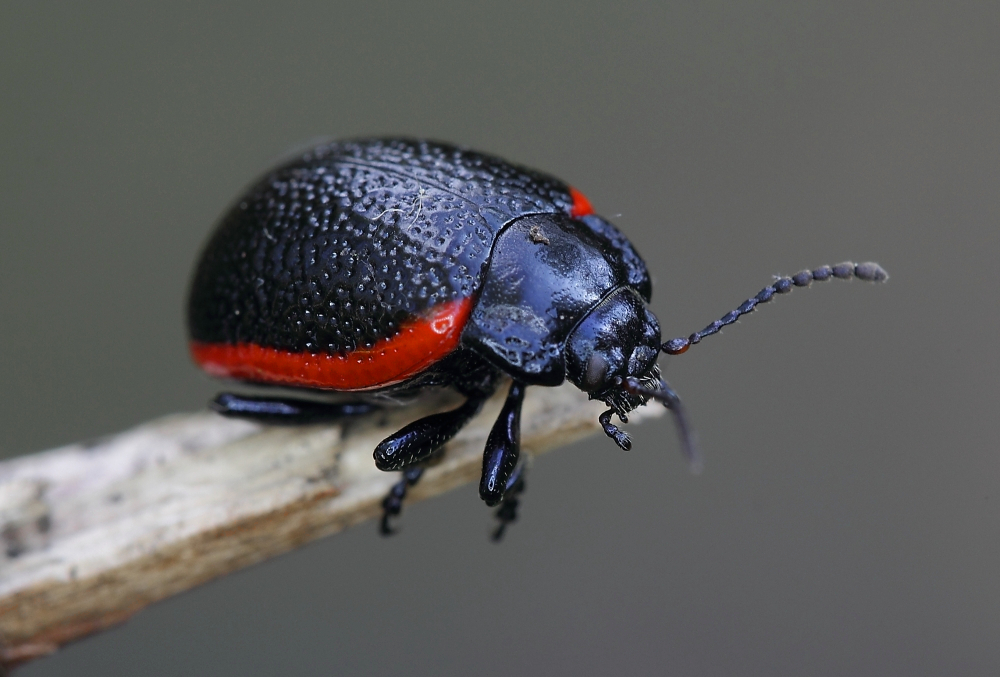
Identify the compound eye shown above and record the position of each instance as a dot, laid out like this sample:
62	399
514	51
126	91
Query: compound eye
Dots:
596	374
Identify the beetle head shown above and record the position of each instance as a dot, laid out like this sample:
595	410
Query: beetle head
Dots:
611	355
618	339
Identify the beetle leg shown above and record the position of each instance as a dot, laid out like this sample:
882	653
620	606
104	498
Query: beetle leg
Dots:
417	441
507	512
408	448
503	447
286	410
392	504
620	437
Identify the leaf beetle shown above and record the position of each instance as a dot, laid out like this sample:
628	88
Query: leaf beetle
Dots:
386	266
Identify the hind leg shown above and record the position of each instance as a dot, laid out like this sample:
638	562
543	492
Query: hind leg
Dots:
286	410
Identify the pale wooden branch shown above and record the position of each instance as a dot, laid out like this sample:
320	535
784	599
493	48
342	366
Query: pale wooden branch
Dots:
94	532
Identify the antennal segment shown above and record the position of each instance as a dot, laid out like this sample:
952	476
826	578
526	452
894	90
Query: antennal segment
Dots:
869	272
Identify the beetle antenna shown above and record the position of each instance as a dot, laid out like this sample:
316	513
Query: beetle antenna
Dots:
666	396
869	272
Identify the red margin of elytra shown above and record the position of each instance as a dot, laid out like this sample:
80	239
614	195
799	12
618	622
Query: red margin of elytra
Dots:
420	343
581	205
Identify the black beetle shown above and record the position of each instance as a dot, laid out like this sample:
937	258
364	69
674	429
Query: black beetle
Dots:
392	265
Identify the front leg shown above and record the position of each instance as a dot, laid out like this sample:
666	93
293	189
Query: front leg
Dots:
507	512
503	447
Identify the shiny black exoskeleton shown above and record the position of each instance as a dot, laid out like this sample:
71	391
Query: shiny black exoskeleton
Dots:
349	256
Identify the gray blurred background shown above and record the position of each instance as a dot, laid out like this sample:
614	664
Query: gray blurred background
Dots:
848	518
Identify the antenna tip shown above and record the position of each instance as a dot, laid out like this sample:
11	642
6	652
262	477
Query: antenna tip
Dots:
870	272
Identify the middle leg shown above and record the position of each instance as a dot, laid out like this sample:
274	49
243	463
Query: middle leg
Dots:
411	447
393	503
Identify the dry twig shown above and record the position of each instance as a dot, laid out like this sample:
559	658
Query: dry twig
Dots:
95	532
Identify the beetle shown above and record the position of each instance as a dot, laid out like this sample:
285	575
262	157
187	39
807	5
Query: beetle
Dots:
381	267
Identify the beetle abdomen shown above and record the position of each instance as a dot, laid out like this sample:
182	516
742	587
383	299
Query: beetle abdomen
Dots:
419	343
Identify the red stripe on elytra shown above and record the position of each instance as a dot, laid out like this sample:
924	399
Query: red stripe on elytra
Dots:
420	343
581	205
